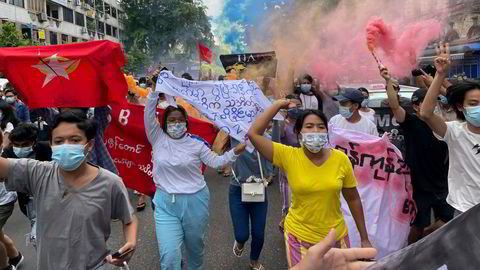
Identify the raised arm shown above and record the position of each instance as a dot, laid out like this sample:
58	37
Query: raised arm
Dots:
393	102
255	133
152	127
436	123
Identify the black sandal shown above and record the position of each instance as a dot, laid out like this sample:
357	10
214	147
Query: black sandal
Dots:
141	207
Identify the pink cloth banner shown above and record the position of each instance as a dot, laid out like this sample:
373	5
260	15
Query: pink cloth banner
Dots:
383	182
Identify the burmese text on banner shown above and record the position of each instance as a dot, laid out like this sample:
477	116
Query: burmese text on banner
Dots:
383	182
127	143
231	105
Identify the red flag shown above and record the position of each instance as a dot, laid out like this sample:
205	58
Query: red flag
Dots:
128	145
86	74
205	53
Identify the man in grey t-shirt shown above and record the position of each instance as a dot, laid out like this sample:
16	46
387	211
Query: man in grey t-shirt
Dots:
75	200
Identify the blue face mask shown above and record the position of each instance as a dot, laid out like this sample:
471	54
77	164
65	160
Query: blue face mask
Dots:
10	100
143	85
68	156
365	103
472	114
22	152
345	112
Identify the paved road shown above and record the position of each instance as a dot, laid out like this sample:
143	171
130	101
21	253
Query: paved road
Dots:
219	239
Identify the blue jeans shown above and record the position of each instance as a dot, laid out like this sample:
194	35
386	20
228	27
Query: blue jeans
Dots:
244	213
181	220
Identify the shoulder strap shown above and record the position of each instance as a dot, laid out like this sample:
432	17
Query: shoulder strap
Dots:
260	164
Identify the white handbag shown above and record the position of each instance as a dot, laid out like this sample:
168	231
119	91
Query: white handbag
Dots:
254	188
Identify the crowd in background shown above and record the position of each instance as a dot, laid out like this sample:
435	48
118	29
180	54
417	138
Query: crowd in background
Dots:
442	137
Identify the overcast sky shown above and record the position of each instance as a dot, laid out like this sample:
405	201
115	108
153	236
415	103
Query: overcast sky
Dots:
215	7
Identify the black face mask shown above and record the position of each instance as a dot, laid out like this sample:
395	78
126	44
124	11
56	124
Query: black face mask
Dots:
294	113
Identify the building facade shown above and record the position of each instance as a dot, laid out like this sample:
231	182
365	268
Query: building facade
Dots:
462	32
50	22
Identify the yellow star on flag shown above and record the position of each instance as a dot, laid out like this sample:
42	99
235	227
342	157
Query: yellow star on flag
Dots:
55	66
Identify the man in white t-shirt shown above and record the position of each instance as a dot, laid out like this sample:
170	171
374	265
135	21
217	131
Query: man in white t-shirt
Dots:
462	136
349	117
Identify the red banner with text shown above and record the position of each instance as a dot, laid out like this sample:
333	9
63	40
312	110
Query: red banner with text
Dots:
130	149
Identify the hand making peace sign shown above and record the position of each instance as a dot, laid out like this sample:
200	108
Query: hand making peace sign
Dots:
442	61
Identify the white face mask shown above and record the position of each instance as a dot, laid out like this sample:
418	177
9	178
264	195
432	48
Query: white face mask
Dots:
314	141
176	130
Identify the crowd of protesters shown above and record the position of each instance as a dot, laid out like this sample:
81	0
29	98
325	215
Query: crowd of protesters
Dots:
54	160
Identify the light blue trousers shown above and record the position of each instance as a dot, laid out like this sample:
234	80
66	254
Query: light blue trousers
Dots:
181	220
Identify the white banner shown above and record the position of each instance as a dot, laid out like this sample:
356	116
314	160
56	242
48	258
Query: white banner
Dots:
383	182
231	105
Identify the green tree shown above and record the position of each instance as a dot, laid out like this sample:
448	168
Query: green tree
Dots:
165	27
11	37
138	61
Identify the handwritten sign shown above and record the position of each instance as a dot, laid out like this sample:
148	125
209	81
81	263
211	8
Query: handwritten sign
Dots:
231	105
257	64
127	143
384	186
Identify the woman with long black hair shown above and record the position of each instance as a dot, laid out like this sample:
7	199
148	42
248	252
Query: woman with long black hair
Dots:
182	198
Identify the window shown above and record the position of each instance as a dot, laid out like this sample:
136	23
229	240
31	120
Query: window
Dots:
99	5
52	10
74	39
100	27
475	73
107	8
64	39
26	32
91	24
114	31
18	3
114	12
79	19
471	70
108	29
53	38
67	15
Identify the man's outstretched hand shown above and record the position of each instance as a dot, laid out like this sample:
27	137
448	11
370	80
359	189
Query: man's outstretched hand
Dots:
323	257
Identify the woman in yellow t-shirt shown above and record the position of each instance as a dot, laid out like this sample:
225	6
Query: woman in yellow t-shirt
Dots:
316	175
